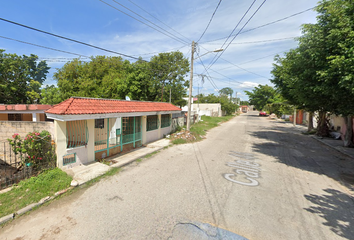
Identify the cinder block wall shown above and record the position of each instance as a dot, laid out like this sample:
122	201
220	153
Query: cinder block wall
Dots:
7	129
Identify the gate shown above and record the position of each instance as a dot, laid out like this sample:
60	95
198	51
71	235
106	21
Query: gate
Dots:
13	167
113	135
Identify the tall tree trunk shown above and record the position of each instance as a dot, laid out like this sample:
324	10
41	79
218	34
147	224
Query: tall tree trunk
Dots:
322	125
348	137
310	123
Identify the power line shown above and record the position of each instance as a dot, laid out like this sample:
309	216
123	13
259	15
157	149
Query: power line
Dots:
43	47
264	25
80	55
234	29
212	16
149	21
261	41
174	49
69	39
159	20
168	35
237	33
208	75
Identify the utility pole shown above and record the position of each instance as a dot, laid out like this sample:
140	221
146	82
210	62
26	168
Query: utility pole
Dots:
190	90
170	95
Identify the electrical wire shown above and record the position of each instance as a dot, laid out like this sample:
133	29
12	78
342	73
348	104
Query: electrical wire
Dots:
264	25
168	35
159	20
153	53
237	34
238	23
53	49
80	55
262	41
149	21
208	75
212	16
69	39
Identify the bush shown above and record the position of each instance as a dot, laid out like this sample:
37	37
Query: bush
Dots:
37	146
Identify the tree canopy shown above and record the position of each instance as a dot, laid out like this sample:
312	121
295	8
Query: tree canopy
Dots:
318	75
115	78
21	78
226	105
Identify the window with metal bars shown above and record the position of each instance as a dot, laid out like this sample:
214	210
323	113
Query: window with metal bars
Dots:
69	158
15	117
165	120
76	133
152	123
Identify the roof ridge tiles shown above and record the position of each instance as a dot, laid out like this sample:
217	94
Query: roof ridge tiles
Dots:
123	100
82	105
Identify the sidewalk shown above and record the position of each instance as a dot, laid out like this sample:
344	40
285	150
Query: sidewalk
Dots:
84	173
330	142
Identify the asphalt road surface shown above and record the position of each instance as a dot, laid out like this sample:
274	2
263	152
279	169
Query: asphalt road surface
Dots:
252	176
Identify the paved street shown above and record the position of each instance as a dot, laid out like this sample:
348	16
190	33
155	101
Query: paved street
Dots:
253	176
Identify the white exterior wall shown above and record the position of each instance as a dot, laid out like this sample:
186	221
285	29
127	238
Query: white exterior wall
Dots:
152	135
60	141
208	109
165	131
81	156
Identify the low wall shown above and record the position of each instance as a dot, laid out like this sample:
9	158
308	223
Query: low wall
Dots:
8	128
152	136
177	122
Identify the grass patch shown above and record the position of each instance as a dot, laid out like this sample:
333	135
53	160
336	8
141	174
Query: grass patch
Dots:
201	127
33	189
198	130
179	141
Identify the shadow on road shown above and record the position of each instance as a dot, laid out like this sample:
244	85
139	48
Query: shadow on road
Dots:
301	151
290	147
336	208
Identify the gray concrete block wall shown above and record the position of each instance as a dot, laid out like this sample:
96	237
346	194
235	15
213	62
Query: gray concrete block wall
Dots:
9	128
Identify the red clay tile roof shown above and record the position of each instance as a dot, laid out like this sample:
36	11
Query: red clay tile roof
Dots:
24	107
76	106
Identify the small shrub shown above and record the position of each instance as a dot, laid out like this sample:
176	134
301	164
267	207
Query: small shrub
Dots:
37	146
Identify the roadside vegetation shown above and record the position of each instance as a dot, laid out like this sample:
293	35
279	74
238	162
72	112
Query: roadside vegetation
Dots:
198	130
33	189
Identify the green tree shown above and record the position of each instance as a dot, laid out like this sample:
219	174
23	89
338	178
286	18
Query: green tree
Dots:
261	96
168	71
19	78
318	74
227	91
226	105
51	95
113	77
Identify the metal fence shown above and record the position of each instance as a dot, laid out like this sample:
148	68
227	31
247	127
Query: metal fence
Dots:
13	167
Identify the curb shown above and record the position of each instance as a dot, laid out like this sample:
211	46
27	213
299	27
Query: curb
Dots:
117	165
333	147
28	208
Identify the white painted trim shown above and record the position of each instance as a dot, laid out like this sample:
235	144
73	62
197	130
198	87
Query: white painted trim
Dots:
108	115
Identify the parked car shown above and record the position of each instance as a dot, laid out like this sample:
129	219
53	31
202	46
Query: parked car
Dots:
262	113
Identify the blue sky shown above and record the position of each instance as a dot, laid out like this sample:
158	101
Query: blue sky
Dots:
245	63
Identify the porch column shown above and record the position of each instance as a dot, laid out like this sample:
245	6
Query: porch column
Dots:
34	117
143	129
60	141
159	129
91	140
